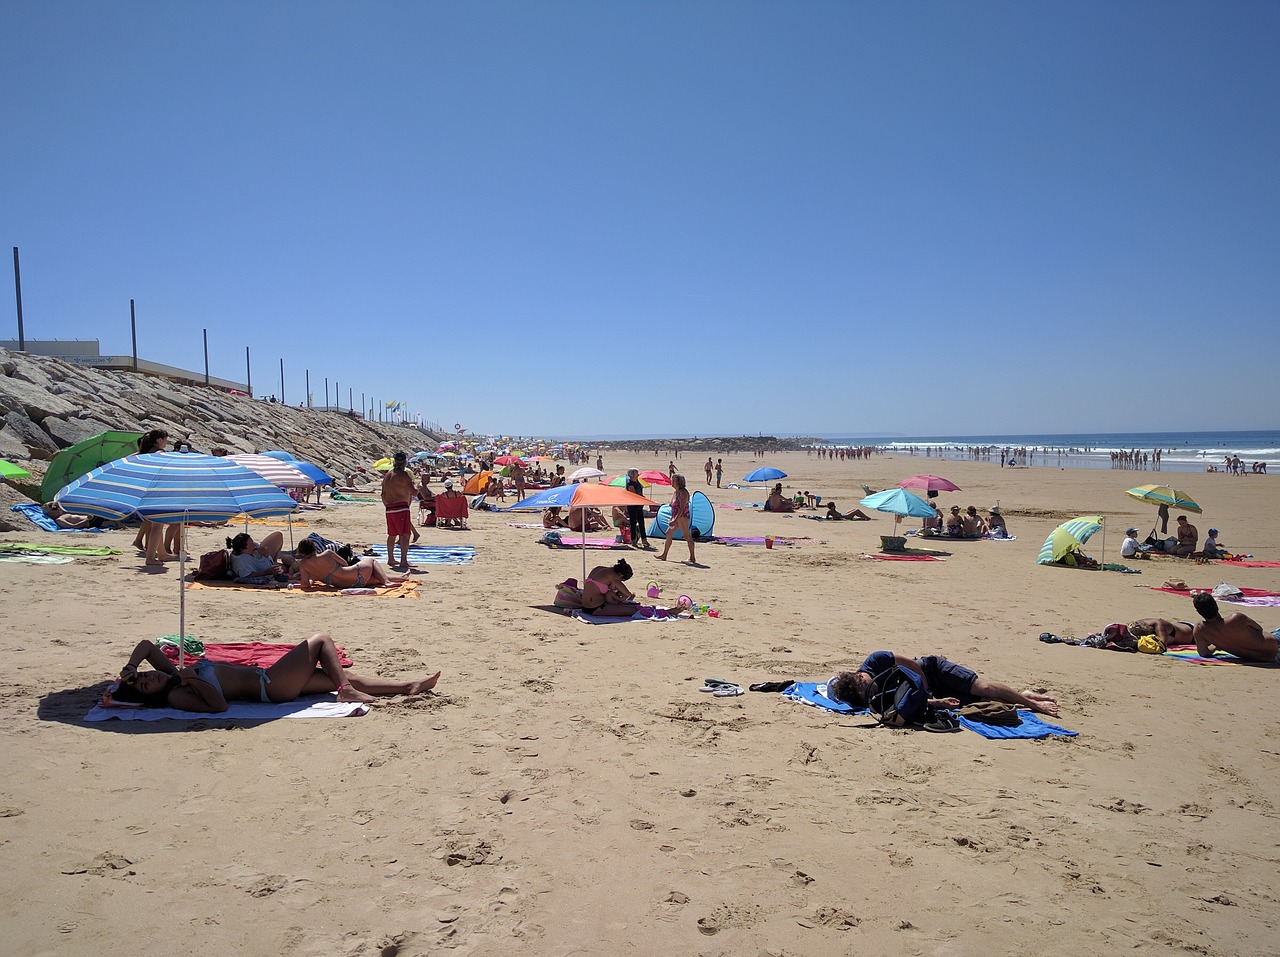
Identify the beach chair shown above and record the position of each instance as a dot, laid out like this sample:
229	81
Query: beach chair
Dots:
451	512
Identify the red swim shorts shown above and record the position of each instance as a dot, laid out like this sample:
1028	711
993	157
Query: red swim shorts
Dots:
398	521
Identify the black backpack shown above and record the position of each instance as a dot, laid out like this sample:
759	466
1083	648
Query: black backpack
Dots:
900	698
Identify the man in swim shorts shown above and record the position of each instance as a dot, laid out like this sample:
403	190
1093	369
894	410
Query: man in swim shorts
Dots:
1238	634
397	492
948	684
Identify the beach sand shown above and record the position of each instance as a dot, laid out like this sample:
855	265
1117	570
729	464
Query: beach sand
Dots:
568	790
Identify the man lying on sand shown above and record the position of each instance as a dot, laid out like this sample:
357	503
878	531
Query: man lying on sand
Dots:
310	667
948	684
1170	632
1238	634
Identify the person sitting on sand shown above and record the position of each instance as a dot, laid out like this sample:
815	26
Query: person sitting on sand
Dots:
605	591
327	567
590	516
856	515
497	488
258	561
1170	632
948	684
1188	535
931	525
971	523
551	518
1211	547
955	523
65	519
310	667
1237	634
777	502
996	526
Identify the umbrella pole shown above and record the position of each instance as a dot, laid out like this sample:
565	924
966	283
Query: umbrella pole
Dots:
182	593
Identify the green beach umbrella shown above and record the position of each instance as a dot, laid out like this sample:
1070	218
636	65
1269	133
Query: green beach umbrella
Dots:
10	471
85	456
1068	537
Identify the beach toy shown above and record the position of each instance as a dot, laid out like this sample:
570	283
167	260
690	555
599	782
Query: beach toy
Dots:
768	541
684	603
652	590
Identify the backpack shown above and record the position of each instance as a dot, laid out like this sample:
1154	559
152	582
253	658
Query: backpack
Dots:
214	564
900	698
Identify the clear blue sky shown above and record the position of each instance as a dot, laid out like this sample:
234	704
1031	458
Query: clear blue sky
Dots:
666	217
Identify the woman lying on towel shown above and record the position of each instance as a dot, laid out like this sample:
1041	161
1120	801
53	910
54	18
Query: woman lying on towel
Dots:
327	567
310	667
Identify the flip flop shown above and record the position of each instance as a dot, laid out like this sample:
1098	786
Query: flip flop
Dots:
728	691
1049	638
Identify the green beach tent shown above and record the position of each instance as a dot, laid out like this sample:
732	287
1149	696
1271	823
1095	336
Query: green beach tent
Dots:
86	455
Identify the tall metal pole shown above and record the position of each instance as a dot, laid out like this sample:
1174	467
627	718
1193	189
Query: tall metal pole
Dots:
206	357
248	371
282	381
351	399
308	388
17	288
326	392
363	405
133	330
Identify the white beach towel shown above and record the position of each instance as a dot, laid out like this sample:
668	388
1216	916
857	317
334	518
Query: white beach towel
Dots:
322	706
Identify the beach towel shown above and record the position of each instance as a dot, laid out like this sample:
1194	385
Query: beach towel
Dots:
1032	726
38	517
313	706
344	497
44	549
1250	563
778	541
431	554
568	540
591	619
524	524
881	556
814	695
34	558
1189	653
240	520
1252	597
406	589
255	654
728	505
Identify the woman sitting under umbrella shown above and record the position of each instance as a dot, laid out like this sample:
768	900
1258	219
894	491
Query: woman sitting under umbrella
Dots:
310	667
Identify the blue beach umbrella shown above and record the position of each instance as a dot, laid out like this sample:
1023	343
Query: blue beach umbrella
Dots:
765	474
168	487
280	455
579	495
898	502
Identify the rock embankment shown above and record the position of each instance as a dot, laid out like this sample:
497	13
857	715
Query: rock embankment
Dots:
47	404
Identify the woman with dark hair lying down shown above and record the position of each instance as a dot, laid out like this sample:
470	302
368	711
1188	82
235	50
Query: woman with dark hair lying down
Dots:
310	667
327	567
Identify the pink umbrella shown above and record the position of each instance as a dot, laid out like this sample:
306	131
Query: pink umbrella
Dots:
929	483
509	460
655	477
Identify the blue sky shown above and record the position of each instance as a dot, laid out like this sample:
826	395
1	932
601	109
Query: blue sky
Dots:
644	218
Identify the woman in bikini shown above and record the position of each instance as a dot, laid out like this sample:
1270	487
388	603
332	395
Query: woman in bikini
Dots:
606	593
329	568
310	667
679	519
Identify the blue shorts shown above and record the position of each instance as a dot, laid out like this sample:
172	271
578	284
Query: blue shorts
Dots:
946	678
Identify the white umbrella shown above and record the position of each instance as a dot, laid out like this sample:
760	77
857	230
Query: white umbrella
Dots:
584	473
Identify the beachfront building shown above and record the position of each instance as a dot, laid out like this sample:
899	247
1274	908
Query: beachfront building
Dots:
87	352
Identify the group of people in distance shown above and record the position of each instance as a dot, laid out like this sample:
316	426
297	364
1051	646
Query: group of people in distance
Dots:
965	523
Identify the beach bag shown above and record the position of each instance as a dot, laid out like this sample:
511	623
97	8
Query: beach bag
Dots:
900	698
213	565
1227	592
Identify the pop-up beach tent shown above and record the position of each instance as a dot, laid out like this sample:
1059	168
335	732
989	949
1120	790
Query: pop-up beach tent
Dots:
702	518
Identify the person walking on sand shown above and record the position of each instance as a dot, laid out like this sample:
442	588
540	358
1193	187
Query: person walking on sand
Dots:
709	468
397	492
719	471
679	518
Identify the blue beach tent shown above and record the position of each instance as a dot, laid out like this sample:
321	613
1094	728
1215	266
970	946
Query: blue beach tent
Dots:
702	517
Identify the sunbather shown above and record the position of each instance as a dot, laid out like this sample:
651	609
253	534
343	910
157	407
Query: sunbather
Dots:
262	560
327	567
605	591
857	514
1170	632
310	667
777	502
948	684
1237	634
551	518
65	519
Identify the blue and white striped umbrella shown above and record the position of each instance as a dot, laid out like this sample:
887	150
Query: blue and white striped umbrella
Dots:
168	487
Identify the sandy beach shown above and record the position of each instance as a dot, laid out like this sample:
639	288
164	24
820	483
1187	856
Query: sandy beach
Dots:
568	790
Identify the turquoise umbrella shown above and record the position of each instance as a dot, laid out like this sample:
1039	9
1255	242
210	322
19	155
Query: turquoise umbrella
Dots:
898	502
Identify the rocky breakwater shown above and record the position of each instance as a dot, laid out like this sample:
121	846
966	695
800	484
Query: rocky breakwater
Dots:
47	404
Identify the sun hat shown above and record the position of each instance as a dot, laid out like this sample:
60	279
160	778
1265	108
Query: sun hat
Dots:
448	483
1131	531
994	510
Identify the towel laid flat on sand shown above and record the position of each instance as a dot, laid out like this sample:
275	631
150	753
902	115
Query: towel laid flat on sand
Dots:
432	554
778	540
1253	597
881	556
38	517
1189	653
35	559
1251	563
591	619
524	525
255	654
44	549
406	589
569	539
814	694
313	706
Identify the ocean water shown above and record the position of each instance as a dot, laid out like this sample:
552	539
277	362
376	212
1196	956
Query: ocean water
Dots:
1180	451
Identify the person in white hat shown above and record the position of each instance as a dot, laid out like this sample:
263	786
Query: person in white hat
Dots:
1130	546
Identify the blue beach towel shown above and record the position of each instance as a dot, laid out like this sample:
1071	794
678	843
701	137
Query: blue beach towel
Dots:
1033	726
814	694
34	512
433	554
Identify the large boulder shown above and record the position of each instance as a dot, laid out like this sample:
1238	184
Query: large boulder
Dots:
34	440
19	394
